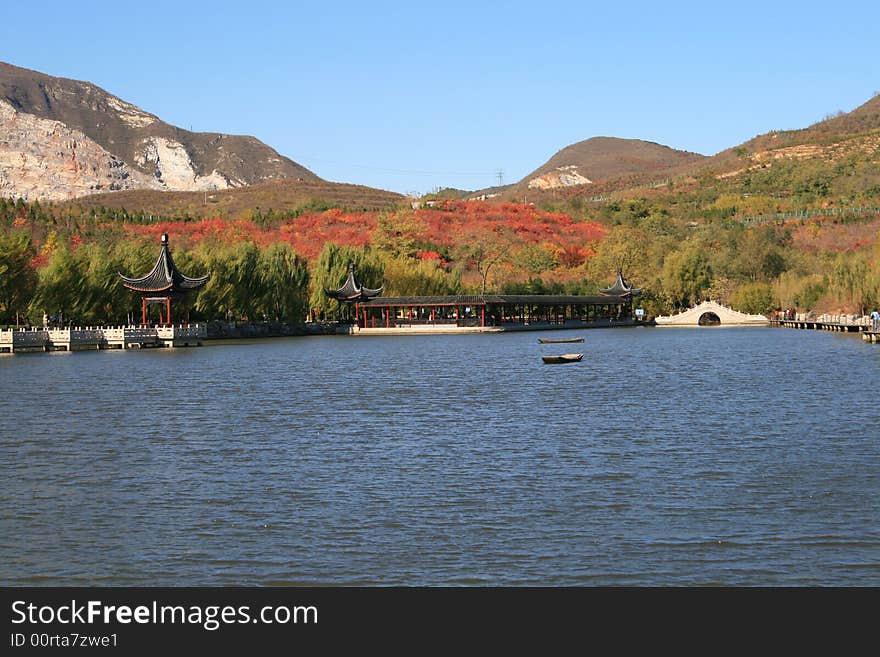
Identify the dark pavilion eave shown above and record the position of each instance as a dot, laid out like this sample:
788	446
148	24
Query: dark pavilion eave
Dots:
352	291
164	277
620	288
136	288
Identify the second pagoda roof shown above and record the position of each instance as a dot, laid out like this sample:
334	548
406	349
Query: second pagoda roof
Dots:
620	288
352	290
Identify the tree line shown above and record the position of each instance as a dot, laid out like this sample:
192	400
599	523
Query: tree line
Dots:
69	267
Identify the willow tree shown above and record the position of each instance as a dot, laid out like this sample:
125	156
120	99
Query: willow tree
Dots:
235	287
330	271
686	274
853	282
799	290
18	277
59	286
406	277
284	279
101	299
754	298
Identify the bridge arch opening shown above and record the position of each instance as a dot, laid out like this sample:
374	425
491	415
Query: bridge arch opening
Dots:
709	319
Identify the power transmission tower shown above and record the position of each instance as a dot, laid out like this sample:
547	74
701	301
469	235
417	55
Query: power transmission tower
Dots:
500	175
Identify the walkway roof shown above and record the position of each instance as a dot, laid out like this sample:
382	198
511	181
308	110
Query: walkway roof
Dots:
500	299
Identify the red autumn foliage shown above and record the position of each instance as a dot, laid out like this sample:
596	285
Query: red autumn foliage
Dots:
823	236
40	260
529	224
445	224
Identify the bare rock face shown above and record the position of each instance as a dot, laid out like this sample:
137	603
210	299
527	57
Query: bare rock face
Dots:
62	138
42	159
174	169
566	176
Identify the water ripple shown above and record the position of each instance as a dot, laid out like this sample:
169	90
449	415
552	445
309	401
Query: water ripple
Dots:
677	457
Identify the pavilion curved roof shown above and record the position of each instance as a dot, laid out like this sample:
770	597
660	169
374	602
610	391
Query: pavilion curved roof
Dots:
165	276
620	288
352	290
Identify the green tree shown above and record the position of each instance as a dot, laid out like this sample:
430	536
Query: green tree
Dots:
236	287
686	274
753	298
58	287
799	291
217	299
102	299
284	282
758	256
623	248
18	276
248	284
406	277
852	280
535	258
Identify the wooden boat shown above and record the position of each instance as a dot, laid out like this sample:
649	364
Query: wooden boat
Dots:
549	341
564	358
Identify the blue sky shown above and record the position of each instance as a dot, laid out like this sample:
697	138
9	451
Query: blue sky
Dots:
410	96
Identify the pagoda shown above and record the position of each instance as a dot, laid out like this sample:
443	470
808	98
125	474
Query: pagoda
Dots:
352	291
620	288
162	284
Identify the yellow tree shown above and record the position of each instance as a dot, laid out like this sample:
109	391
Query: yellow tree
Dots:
400	234
482	249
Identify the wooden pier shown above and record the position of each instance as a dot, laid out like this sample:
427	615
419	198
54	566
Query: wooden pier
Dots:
838	323
101	337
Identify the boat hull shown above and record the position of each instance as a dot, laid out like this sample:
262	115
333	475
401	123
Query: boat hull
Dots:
564	358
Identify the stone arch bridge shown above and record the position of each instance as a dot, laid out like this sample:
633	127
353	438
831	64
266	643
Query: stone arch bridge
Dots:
711	313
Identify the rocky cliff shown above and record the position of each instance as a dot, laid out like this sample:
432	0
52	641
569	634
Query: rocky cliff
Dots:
63	138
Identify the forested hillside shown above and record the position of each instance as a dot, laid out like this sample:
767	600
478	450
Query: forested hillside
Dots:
786	220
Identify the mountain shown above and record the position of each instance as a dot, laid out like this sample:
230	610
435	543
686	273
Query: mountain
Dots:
62	139
830	141
837	156
603	158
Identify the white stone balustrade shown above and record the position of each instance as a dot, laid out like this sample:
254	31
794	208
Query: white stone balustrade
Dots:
101	337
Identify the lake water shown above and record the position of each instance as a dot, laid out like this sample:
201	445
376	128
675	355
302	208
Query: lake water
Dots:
714	456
